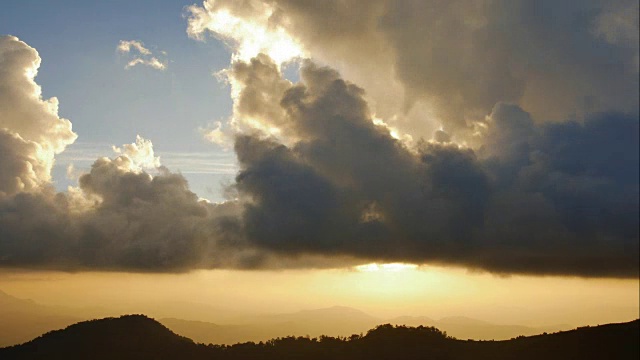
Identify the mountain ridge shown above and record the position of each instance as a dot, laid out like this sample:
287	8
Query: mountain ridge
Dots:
140	337
24	319
340	321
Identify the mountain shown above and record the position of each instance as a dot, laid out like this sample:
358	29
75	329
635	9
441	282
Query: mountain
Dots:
139	337
126	337
22	319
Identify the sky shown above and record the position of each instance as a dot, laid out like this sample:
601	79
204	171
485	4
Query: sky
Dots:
297	142
109	106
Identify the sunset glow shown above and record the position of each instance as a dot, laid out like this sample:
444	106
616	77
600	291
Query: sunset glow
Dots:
242	171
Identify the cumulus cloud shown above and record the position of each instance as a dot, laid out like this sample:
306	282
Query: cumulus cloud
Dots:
528	189
116	220
256	89
550	198
31	132
124	220
21	168
140	153
137	54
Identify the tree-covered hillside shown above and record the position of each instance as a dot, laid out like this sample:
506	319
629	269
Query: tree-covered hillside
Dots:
139	337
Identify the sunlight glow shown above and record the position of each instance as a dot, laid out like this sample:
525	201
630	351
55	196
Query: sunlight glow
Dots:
248	38
390	267
393	132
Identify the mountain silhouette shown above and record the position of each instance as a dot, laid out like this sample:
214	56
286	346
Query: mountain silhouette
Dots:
140	337
126	337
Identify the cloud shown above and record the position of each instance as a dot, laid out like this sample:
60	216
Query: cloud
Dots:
140	55
118	218
123	220
327	177
115	220
140	153
427	64
125	47
20	167
31	132
256	89
246	26
618	25
216	134
546	199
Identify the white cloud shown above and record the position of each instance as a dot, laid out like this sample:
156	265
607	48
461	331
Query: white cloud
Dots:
247	27
140	153
217	135
138	54
31	130
126	46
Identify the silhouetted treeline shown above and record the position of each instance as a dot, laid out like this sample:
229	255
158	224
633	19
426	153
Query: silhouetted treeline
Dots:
139	337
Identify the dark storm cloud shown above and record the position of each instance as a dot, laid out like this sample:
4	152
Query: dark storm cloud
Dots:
554	198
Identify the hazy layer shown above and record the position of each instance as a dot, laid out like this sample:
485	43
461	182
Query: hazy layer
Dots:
228	296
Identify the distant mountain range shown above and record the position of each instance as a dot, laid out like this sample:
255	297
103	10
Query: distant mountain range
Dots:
335	321
22	320
140	337
339	321
462	327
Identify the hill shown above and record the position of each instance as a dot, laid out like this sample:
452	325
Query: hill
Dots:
139	337
126	337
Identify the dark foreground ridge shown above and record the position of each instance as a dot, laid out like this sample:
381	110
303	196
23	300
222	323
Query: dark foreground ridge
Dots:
139	337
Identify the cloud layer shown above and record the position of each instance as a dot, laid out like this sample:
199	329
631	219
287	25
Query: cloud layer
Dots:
506	140
427	64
